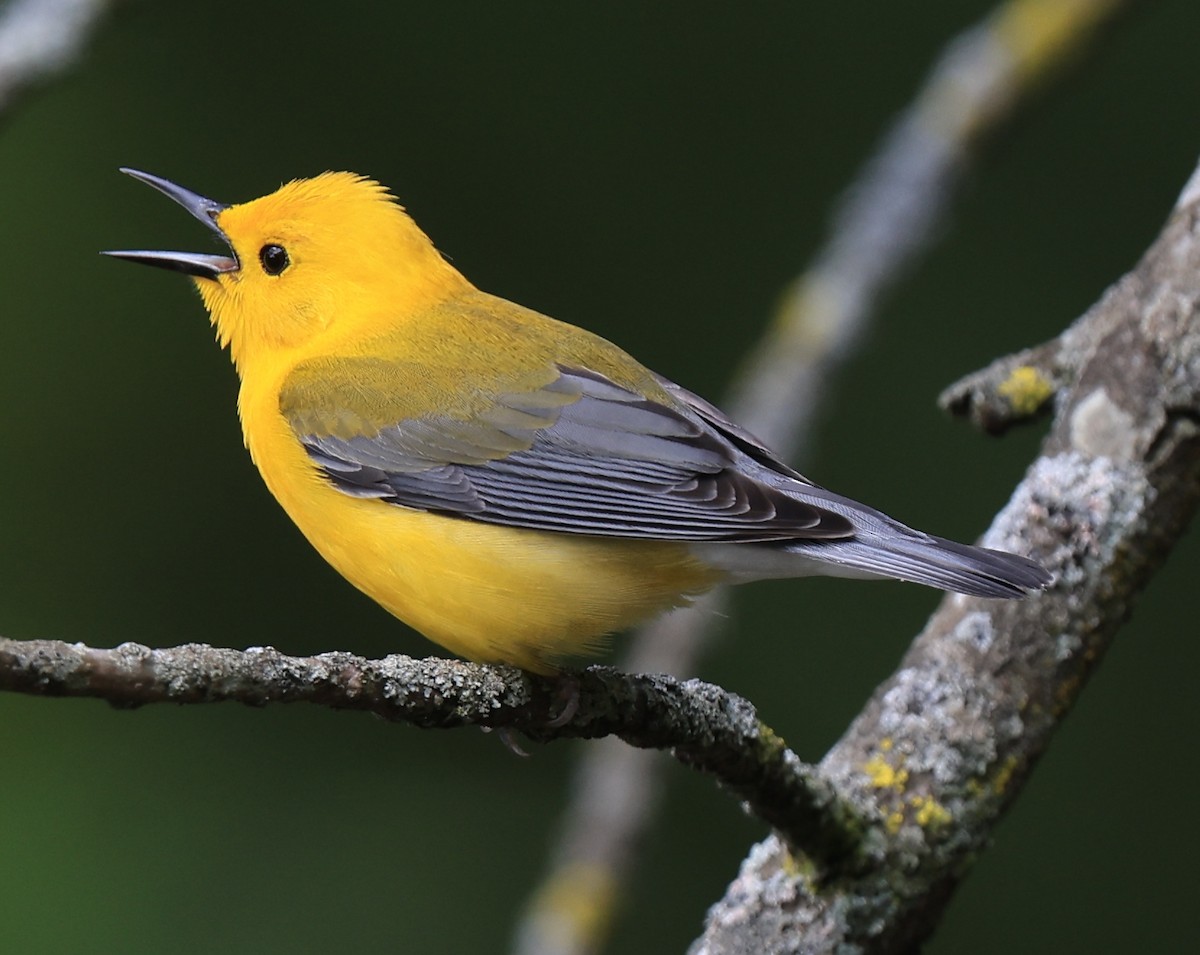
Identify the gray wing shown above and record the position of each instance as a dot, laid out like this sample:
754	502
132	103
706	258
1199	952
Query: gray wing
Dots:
584	456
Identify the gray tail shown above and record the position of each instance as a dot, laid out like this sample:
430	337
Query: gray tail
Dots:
933	561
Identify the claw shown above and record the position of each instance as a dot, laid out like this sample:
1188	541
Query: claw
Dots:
508	736
568	693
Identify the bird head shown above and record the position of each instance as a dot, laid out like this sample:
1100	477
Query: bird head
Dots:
315	260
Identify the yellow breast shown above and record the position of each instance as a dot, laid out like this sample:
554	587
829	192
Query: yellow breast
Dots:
488	593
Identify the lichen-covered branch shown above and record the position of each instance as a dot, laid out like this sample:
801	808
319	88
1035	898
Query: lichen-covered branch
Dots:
705	727
944	746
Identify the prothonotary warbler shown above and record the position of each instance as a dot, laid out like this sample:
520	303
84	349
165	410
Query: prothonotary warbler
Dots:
511	486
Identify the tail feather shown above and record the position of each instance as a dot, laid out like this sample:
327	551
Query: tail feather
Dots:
880	547
933	561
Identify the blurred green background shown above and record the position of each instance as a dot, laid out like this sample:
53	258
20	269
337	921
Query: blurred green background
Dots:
655	173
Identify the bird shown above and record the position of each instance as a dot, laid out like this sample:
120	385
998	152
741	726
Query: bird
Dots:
513	487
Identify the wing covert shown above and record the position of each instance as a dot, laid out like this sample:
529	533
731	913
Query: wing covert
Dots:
579	455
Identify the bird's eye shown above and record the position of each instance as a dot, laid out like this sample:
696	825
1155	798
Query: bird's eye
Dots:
274	258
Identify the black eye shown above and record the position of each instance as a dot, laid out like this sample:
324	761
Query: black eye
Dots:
274	258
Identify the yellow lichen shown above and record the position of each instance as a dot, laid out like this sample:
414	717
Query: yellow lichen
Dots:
787	864
894	821
771	743
1004	775
930	811
1026	389
883	775
577	903
1038	34
798	868
807	317
1066	691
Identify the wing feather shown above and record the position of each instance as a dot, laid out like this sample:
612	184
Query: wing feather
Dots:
579	455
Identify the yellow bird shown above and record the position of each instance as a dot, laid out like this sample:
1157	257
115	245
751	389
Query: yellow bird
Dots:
511	486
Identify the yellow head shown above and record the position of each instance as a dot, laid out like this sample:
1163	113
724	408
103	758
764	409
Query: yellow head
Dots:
316	259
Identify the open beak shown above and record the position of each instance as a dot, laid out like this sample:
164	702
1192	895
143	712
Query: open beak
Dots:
190	263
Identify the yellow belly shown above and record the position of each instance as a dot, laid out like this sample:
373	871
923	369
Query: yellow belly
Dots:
488	593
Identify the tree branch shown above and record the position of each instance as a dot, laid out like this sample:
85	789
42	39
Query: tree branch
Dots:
705	727
944	746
